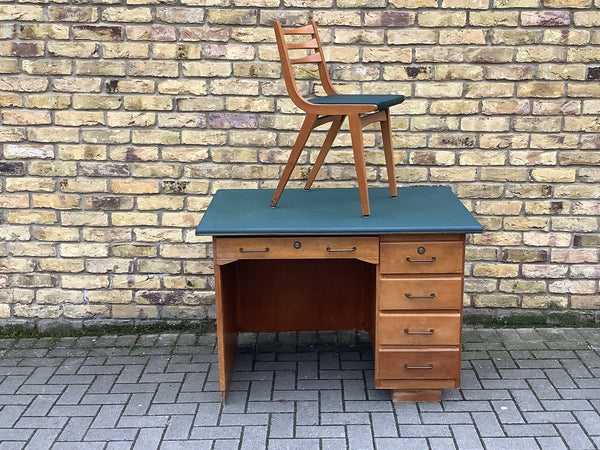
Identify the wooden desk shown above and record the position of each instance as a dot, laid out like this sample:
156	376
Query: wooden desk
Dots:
313	263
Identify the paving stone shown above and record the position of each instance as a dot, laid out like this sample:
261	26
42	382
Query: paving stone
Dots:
360	437
466	437
574	436
511	443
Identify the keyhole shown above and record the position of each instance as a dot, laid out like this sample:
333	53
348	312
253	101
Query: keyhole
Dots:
421	250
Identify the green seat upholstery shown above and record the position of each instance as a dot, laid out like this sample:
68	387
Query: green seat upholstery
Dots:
382	101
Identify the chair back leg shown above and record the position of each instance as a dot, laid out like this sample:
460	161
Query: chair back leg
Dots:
386	134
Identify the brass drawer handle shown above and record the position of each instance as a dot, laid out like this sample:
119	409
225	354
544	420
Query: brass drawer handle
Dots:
409	259
266	249
329	249
407	331
430	366
432	295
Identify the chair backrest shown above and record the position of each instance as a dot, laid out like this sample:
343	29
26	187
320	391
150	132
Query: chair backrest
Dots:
316	57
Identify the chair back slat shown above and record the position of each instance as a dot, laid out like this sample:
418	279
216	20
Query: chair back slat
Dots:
306	44
306	29
312	58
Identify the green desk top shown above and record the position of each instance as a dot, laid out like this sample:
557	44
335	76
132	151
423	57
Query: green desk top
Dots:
416	209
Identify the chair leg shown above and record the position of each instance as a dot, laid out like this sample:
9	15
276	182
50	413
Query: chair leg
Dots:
386	134
359	161
333	131
305	130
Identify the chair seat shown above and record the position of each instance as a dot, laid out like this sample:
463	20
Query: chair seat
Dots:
382	101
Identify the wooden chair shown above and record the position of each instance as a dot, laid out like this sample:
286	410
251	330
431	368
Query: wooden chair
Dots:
334	107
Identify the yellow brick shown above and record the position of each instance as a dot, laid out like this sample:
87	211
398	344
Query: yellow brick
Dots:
176	51
489	90
85	311
566	37
179	220
79	118
442	19
159	266
130	218
135	282
89	218
503	174
32	184
32	217
125	50
195	87
53	134
493	18
85	101
23	117
37	311
445	107
589	124
148	102
73	49
132	153
485	124
54	201
83	185
162	137
135	187
112	297
135	312
448	37
497	207
438	90
135	250
60	265
411	36
158	235
550	175
118	14
160	202
74	84
130	119
207	69
80	281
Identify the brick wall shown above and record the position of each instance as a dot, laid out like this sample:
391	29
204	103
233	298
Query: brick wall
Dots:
120	120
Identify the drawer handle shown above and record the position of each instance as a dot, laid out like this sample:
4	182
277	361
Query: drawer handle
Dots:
407	331
243	250
432	295
430	366
409	259
332	250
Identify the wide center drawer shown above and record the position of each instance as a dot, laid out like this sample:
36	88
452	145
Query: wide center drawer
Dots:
422	257
424	329
364	248
423	364
418	293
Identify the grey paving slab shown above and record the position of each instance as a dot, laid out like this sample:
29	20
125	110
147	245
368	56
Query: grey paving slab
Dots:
523	388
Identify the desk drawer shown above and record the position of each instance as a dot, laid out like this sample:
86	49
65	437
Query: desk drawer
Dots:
418	364
421	293
424	329
364	248
422	257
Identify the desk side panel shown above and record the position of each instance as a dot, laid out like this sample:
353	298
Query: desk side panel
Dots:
225	302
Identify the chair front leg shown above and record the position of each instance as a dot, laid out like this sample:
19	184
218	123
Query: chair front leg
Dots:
333	131
358	150
386	134
305	130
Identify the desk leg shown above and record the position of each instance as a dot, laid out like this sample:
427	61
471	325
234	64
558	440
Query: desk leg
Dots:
226	325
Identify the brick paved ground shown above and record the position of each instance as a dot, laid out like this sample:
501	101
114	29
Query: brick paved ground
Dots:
521	389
